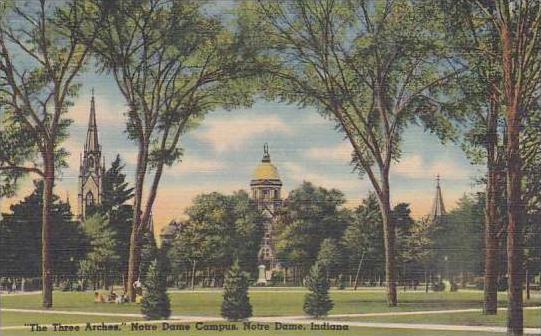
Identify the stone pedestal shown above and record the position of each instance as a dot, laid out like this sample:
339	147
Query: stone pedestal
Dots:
261	279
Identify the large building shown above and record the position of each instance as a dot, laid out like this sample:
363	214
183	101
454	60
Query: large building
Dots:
266	187
91	167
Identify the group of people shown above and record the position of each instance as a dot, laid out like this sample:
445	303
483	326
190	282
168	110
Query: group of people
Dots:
10	285
113	297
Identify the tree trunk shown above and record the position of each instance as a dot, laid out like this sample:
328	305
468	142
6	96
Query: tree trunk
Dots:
135	237
514	225
358	271
46	230
389	242
492	245
193	275
490	305
528	296
426	281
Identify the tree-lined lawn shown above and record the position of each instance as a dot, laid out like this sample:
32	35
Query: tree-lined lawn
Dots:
267	303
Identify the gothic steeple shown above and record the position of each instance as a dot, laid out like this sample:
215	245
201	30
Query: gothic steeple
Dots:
438	208
91	172
92	144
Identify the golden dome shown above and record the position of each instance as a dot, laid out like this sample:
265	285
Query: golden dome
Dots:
266	171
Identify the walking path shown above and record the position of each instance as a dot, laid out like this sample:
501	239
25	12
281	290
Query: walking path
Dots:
300	320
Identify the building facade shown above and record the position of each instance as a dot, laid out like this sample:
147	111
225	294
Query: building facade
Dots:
266	191
91	167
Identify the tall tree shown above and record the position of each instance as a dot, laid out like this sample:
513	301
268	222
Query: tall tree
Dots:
330	256
518	26
418	246
116	194
369	66
479	93
39	62
458	239
101	261
363	238
20	238
220	229
309	215
172	62
116	190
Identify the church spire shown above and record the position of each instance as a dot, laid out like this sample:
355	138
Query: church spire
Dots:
92	144
438	208
91	167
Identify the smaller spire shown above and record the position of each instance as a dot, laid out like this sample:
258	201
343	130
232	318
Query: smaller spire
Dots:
266	155
438	208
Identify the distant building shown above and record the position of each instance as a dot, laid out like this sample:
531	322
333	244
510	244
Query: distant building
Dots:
91	167
266	188
169	232
438	213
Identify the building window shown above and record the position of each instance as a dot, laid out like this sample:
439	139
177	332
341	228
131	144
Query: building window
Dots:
91	162
89	199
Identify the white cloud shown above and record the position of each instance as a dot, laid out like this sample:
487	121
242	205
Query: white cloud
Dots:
300	173
414	166
225	134
191	164
340	153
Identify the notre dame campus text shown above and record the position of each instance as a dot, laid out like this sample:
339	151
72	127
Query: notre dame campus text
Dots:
197	326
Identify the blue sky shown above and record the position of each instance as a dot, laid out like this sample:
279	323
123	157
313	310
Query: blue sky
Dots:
222	153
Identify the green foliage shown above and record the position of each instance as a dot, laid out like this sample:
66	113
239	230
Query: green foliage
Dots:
317	303
149	253
102	259
183	46
364	236
41	57
156	304
417	247
116	191
370	66
236	304
20	238
330	256
220	229
309	215
460	237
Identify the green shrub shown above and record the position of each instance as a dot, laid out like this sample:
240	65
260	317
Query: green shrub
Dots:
318	302
236	304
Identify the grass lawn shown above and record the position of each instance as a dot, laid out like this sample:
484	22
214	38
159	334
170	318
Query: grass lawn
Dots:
532	319
267	303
